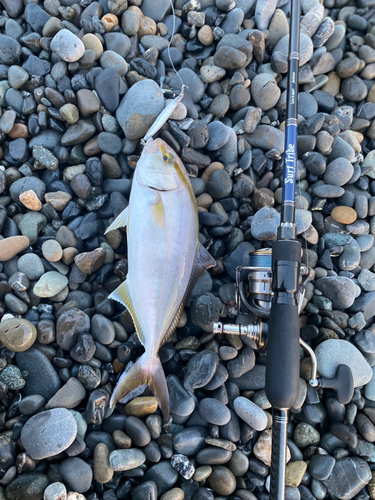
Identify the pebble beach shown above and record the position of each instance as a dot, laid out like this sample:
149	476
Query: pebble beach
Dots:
81	83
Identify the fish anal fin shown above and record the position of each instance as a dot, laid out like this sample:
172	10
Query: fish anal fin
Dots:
120	221
203	261
122	295
148	371
158	214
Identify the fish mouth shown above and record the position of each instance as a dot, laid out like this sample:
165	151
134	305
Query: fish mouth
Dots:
158	190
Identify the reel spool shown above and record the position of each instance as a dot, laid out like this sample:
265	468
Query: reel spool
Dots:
258	296
255	296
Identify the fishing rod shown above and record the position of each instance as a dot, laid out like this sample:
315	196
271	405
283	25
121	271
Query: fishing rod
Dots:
282	366
275	294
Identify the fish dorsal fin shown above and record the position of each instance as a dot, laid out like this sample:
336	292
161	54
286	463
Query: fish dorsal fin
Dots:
157	211
120	221
122	295
203	261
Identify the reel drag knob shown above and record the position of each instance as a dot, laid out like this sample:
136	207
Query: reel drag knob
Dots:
342	383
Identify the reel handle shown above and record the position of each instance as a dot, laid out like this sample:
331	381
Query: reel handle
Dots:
342	383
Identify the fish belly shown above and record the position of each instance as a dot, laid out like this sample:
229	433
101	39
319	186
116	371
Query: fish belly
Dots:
160	261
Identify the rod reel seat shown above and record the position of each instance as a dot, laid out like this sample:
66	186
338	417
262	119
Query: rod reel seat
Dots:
255	297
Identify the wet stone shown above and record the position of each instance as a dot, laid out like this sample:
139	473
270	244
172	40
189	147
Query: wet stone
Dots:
213	455
121	460
250	413
353	89
214	411
50	284
147	489
69	396
109	143
137	431
89	262
222	480
11	50
320	466
338	172
12	377
30	484
17	334
305	435
340	290
35	66
108	88
31	404
68	46
265	224
42	378
264	91
84	349
77	474
189	441
181	403
48	433
163	474
356	473
135	115
243	363
229	58
69	325
11	246
55	491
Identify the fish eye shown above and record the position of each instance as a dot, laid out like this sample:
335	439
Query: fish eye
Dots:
168	158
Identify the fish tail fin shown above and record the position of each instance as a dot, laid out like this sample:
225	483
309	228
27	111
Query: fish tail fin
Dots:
158	385
146	371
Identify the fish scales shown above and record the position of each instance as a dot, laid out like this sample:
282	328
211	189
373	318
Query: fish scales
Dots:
165	259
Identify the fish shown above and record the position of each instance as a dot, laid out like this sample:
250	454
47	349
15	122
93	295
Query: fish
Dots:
164	115
165	259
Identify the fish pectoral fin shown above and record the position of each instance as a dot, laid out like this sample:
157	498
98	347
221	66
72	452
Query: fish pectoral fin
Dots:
158	213
145	371
120	221
204	259
122	295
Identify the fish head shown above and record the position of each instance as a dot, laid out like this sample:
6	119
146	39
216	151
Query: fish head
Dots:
160	167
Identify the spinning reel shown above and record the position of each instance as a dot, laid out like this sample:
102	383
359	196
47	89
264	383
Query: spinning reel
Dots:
255	297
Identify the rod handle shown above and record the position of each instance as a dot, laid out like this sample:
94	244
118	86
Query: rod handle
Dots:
283	360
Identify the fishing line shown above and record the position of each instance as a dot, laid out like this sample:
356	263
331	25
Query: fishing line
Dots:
169	46
305	245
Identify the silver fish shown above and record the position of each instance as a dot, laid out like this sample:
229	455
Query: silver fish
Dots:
164	116
165	260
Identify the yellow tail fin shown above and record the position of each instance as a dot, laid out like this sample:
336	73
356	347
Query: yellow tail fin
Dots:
146	371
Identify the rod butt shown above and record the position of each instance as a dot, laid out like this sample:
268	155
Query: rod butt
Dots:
278	458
